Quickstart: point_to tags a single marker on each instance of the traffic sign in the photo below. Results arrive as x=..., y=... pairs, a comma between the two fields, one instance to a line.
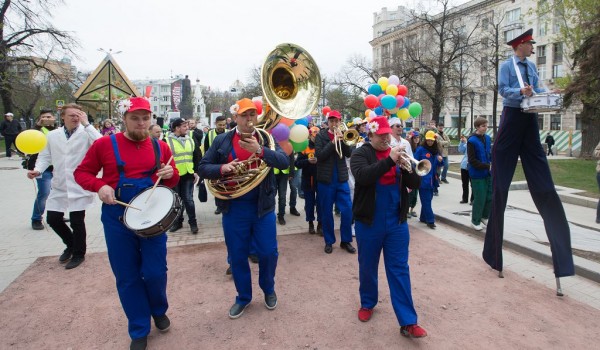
x=60, y=103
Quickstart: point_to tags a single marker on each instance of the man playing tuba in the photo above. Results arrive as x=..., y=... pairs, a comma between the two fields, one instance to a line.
x=251, y=216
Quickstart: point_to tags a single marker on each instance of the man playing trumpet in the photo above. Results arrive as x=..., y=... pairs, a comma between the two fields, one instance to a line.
x=250, y=217
x=380, y=210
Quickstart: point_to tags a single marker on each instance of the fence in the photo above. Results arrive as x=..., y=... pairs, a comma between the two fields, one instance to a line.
x=561, y=137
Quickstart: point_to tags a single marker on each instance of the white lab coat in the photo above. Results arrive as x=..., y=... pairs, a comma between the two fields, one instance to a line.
x=402, y=142
x=65, y=155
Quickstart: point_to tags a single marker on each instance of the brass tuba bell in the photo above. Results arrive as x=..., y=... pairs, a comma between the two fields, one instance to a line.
x=291, y=85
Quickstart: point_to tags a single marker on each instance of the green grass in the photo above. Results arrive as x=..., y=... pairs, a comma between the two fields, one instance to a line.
x=573, y=173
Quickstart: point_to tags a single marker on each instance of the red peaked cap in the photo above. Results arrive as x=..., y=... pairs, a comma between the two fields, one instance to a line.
x=139, y=103
x=523, y=38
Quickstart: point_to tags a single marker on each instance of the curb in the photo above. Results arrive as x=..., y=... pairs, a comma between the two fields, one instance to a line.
x=584, y=268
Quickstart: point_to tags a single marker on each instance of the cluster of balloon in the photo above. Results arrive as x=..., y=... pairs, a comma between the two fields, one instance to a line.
x=290, y=134
x=31, y=141
x=389, y=98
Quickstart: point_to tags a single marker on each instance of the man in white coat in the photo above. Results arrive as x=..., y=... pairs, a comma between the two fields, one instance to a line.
x=397, y=139
x=66, y=148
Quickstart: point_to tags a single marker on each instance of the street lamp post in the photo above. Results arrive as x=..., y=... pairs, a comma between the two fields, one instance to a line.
x=472, y=95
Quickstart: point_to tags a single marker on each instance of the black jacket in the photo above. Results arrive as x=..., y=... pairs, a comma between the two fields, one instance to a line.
x=367, y=170
x=309, y=171
x=12, y=128
x=327, y=158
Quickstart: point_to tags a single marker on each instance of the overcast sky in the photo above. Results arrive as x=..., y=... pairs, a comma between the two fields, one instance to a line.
x=219, y=41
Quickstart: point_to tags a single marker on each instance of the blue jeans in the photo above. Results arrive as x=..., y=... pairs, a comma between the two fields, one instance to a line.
x=185, y=190
x=445, y=168
x=39, y=206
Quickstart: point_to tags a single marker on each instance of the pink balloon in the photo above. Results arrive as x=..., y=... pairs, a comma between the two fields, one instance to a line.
x=399, y=100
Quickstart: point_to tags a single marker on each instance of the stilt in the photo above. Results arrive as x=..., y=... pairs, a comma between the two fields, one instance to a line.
x=500, y=274
x=558, y=288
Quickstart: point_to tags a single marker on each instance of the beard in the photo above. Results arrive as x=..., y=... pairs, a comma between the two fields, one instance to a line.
x=138, y=135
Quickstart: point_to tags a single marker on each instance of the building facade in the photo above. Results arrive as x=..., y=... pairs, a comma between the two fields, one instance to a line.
x=480, y=17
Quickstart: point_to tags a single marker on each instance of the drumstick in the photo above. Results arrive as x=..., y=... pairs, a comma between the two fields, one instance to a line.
x=127, y=205
x=157, y=181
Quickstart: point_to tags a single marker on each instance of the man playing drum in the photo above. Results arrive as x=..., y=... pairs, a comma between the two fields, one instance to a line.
x=518, y=136
x=249, y=217
x=131, y=162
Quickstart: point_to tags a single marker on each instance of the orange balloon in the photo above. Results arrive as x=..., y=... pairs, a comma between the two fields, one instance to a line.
x=286, y=121
x=287, y=147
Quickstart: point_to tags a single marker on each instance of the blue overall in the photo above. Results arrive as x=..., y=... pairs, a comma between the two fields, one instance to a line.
x=246, y=231
x=428, y=185
x=338, y=193
x=518, y=136
x=139, y=264
x=389, y=234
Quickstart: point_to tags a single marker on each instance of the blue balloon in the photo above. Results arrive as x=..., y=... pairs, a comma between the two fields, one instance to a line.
x=388, y=102
x=378, y=111
x=302, y=121
x=375, y=89
x=406, y=103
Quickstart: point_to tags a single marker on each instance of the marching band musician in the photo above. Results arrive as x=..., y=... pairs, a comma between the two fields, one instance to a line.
x=250, y=217
x=131, y=162
x=518, y=136
x=308, y=163
x=380, y=209
x=332, y=183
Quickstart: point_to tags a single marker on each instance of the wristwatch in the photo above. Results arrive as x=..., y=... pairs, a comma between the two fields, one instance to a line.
x=259, y=150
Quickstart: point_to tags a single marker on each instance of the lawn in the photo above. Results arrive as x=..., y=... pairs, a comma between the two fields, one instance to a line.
x=574, y=173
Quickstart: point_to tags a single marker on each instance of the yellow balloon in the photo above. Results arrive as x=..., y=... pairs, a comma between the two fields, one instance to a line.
x=383, y=82
x=403, y=114
x=391, y=90
x=31, y=141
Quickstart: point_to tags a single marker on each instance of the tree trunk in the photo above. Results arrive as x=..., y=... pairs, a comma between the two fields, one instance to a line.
x=590, y=130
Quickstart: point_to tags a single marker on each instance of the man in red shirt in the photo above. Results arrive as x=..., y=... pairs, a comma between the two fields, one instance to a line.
x=131, y=162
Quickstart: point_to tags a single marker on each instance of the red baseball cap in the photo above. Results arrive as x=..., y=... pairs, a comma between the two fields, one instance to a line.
x=379, y=125
x=334, y=114
x=139, y=103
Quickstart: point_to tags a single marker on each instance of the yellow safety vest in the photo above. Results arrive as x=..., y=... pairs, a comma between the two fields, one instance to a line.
x=45, y=130
x=183, y=155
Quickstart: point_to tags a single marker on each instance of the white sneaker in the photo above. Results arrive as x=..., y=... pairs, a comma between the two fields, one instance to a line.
x=477, y=227
x=353, y=233
x=484, y=222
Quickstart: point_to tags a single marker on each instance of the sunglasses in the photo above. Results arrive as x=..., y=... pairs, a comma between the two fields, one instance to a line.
x=396, y=126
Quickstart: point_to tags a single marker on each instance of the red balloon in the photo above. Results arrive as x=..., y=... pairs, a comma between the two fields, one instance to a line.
x=326, y=110
x=371, y=101
x=402, y=90
x=258, y=105
x=286, y=146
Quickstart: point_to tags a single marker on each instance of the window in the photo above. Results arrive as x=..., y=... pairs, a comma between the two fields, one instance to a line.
x=485, y=81
x=511, y=34
x=385, y=52
x=557, y=52
x=542, y=28
x=577, y=121
x=155, y=108
x=542, y=73
x=541, y=121
x=164, y=88
x=166, y=98
x=555, y=120
x=485, y=22
x=484, y=42
x=513, y=16
x=540, y=52
x=557, y=71
x=397, y=47
x=482, y=100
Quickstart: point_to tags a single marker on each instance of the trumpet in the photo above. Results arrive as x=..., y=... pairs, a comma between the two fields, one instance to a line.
x=422, y=167
x=350, y=137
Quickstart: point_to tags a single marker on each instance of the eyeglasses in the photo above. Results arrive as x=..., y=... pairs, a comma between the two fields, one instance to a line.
x=396, y=126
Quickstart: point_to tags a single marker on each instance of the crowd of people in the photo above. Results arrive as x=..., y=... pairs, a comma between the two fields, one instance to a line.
x=373, y=181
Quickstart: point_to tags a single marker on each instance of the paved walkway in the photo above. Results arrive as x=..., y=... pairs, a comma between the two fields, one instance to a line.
x=20, y=245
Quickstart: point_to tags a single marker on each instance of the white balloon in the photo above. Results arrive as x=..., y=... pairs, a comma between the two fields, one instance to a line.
x=298, y=133
x=372, y=114
x=394, y=80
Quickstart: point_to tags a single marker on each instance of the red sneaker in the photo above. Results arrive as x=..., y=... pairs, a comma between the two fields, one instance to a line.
x=365, y=314
x=413, y=331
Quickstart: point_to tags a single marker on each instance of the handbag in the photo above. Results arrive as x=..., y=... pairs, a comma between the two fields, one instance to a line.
x=202, y=194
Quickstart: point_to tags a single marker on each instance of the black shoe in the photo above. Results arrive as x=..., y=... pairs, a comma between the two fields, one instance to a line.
x=65, y=256
x=328, y=248
x=294, y=212
x=348, y=246
x=218, y=211
x=162, y=323
x=66, y=220
x=236, y=311
x=281, y=220
x=253, y=258
x=301, y=195
x=194, y=228
x=139, y=344
x=319, y=228
x=445, y=181
x=311, y=228
x=176, y=226
x=228, y=272
x=431, y=226
x=75, y=261
x=271, y=301
x=463, y=202
x=37, y=225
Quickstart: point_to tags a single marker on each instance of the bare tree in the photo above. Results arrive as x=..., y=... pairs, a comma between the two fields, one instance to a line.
x=26, y=34
x=356, y=75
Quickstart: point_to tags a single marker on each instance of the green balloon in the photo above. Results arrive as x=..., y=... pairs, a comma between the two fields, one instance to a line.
x=299, y=146
x=415, y=109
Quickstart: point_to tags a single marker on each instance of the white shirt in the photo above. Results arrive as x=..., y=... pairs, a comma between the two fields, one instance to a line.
x=402, y=142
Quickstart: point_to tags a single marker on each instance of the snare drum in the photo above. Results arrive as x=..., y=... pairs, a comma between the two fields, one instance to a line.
x=542, y=103
x=154, y=216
